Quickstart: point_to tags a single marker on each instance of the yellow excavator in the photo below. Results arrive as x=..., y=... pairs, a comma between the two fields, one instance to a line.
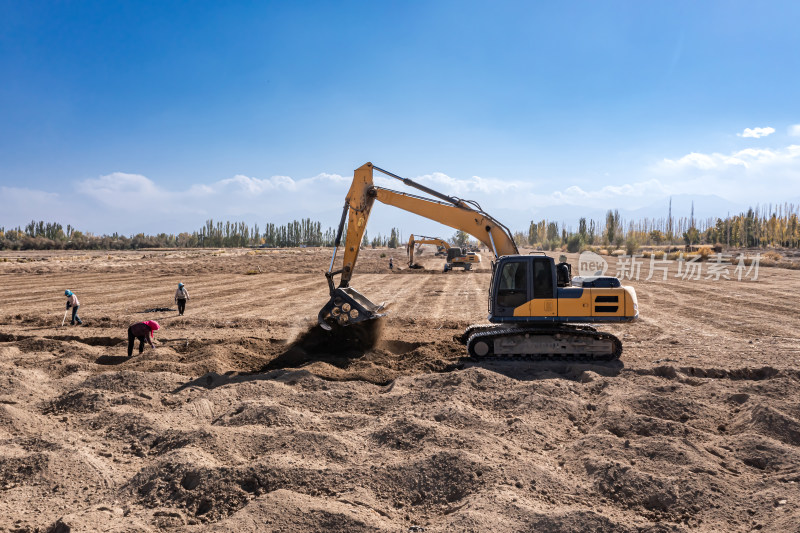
x=455, y=256
x=532, y=314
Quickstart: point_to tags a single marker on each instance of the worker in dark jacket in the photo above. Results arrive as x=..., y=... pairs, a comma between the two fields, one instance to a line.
x=142, y=330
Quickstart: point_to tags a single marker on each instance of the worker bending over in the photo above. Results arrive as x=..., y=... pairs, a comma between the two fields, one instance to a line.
x=142, y=330
x=72, y=301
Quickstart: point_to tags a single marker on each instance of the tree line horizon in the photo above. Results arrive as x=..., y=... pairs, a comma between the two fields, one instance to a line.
x=757, y=227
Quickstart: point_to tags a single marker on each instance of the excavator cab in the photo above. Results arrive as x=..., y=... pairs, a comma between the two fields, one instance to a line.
x=528, y=289
x=517, y=281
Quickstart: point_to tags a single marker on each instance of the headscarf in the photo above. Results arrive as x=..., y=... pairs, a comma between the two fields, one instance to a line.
x=152, y=324
x=180, y=285
x=67, y=292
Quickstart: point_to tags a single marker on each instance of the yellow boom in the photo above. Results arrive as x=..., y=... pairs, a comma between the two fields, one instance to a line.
x=346, y=304
x=453, y=212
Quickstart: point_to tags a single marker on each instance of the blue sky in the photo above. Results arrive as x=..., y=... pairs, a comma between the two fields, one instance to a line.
x=137, y=116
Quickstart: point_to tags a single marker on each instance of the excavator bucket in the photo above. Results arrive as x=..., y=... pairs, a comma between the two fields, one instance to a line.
x=347, y=306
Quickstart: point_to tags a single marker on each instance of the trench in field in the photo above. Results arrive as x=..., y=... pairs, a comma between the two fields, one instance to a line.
x=91, y=341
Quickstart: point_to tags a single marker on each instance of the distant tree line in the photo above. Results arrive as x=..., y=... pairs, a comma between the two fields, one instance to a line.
x=306, y=232
x=759, y=227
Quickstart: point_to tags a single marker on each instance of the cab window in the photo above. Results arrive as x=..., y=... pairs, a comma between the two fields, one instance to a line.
x=513, y=285
x=542, y=279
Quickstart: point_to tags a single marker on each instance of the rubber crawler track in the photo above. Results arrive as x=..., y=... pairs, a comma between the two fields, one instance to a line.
x=478, y=332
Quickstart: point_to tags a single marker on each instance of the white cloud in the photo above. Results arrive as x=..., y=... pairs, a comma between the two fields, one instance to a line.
x=118, y=183
x=749, y=176
x=455, y=186
x=756, y=133
x=126, y=192
x=652, y=187
x=240, y=184
x=794, y=130
x=701, y=161
x=13, y=195
x=137, y=199
x=745, y=158
x=21, y=205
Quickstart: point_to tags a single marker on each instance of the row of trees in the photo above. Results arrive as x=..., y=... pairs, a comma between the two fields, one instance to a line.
x=306, y=232
x=778, y=226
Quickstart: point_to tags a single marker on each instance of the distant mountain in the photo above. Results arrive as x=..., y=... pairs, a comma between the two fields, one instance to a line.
x=705, y=206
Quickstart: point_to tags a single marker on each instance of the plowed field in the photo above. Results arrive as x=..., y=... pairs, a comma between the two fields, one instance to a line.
x=246, y=418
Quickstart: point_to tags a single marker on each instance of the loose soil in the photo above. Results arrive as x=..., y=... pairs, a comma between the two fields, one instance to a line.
x=248, y=417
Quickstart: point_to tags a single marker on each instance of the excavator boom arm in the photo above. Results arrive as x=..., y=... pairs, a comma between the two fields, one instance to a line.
x=453, y=212
x=348, y=306
x=431, y=240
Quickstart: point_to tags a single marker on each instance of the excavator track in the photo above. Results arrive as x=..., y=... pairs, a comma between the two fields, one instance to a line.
x=541, y=343
x=474, y=328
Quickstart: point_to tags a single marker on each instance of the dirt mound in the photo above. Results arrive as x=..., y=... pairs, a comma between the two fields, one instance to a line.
x=285, y=510
x=767, y=420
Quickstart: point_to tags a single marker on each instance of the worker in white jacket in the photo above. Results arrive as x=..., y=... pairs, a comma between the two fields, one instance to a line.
x=72, y=301
x=181, y=295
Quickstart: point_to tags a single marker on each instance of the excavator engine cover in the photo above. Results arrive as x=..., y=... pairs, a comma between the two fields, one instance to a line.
x=347, y=306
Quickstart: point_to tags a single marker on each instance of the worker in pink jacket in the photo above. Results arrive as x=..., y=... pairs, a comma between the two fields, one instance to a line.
x=142, y=330
x=72, y=302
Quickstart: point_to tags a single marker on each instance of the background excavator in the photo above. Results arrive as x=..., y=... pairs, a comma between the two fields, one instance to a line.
x=531, y=314
x=455, y=257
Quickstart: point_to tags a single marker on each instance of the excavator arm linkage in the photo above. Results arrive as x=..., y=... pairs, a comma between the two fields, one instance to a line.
x=346, y=305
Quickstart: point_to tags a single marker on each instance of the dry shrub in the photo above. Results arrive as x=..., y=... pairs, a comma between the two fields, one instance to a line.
x=770, y=258
x=705, y=252
x=602, y=252
x=647, y=255
x=659, y=254
x=674, y=256
x=734, y=259
x=617, y=253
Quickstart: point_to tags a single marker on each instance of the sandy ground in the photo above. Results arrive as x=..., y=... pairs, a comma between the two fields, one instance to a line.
x=245, y=418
